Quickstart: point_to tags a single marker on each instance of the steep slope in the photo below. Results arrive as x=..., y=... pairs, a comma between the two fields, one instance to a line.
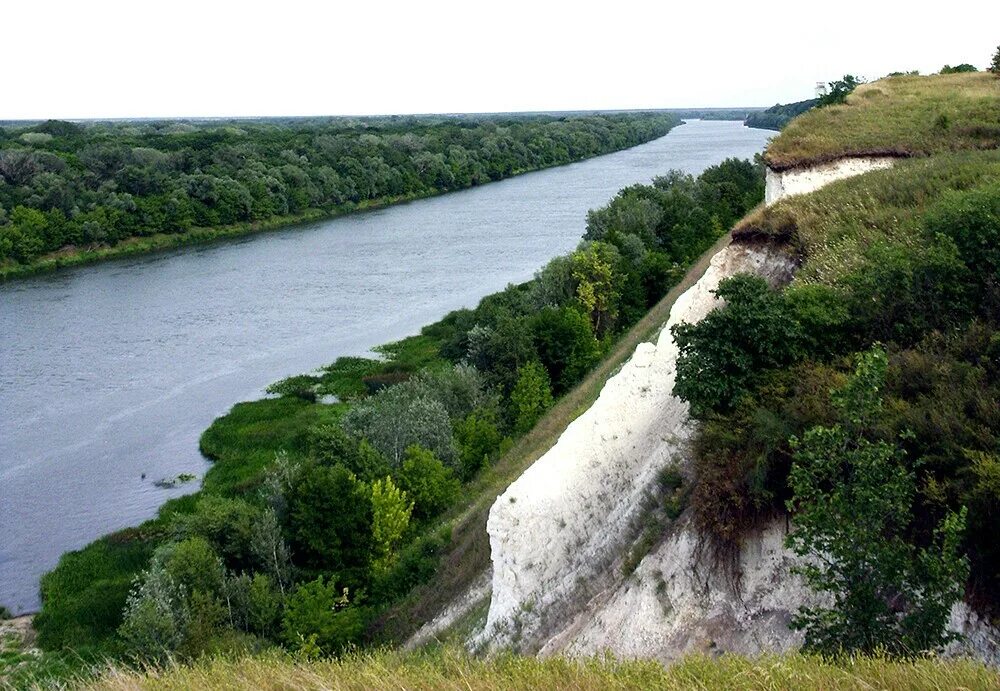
x=561, y=534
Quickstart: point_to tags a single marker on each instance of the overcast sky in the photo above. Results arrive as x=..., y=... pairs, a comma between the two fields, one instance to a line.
x=104, y=58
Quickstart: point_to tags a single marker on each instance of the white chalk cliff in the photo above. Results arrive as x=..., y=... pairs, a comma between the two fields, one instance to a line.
x=559, y=534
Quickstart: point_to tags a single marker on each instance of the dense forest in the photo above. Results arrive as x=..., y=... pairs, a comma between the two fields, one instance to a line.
x=67, y=188
x=324, y=503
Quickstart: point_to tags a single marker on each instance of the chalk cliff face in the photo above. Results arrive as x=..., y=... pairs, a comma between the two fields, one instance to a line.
x=557, y=531
x=559, y=534
x=804, y=180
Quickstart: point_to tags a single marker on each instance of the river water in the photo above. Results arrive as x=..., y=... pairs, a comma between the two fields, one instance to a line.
x=110, y=372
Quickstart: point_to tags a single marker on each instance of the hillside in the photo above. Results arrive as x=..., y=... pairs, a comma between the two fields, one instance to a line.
x=897, y=116
x=693, y=513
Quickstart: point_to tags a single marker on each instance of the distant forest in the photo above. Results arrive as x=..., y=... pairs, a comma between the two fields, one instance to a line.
x=778, y=115
x=68, y=187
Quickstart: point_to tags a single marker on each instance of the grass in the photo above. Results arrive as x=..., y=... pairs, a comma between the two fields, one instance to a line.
x=452, y=669
x=896, y=116
x=832, y=227
x=469, y=552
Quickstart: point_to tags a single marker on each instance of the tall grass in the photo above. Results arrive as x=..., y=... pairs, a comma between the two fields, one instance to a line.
x=896, y=116
x=833, y=226
x=451, y=669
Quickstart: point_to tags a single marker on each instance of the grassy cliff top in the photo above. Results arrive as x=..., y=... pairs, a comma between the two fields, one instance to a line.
x=833, y=227
x=896, y=116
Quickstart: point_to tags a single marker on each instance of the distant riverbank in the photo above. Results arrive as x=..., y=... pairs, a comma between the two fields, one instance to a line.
x=69, y=257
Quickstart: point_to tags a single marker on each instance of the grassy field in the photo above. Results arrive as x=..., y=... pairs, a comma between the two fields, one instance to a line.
x=450, y=669
x=896, y=116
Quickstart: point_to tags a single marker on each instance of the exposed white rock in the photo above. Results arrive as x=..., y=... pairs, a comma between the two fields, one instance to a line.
x=556, y=531
x=678, y=601
x=779, y=185
x=476, y=595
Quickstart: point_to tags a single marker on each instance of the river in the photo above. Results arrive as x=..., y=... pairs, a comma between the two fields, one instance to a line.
x=109, y=373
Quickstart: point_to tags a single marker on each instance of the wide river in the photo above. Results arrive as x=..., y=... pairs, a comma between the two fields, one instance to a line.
x=109, y=373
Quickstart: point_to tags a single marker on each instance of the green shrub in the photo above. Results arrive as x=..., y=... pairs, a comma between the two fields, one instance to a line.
x=328, y=521
x=722, y=355
x=320, y=613
x=852, y=498
x=531, y=396
x=428, y=482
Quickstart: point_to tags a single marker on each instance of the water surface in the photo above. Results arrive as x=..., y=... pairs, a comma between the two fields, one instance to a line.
x=110, y=372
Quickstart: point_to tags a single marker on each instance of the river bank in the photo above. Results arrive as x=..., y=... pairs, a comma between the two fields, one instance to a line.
x=114, y=370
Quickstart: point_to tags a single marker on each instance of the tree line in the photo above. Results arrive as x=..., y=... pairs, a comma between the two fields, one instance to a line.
x=68, y=186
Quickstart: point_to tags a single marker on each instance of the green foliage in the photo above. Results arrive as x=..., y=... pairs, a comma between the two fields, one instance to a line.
x=594, y=271
x=778, y=115
x=192, y=565
x=318, y=612
x=995, y=63
x=478, y=440
x=156, y=616
x=83, y=597
x=565, y=344
x=391, y=511
x=958, y=69
x=93, y=187
x=428, y=482
x=531, y=397
x=401, y=416
x=721, y=355
x=971, y=219
x=323, y=540
x=228, y=526
x=851, y=502
x=839, y=90
x=330, y=445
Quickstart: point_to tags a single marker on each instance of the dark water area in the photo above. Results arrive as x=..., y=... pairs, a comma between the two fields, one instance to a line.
x=111, y=372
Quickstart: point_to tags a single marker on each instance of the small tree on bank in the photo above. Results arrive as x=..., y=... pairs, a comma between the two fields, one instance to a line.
x=995, y=65
x=852, y=500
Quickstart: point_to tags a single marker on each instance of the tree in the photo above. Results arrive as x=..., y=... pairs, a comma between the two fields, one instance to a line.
x=531, y=397
x=328, y=523
x=426, y=480
x=399, y=416
x=565, y=344
x=156, y=615
x=851, y=502
x=478, y=441
x=721, y=355
x=839, y=90
x=594, y=271
x=964, y=67
x=320, y=614
x=391, y=511
x=995, y=64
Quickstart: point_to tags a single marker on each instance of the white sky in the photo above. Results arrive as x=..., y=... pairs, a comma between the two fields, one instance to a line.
x=105, y=58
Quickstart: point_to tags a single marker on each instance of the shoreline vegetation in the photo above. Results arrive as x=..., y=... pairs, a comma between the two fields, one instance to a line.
x=161, y=242
x=423, y=430
x=73, y=194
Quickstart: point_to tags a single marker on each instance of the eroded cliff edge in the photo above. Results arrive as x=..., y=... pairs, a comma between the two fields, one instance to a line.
x=560, y=533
